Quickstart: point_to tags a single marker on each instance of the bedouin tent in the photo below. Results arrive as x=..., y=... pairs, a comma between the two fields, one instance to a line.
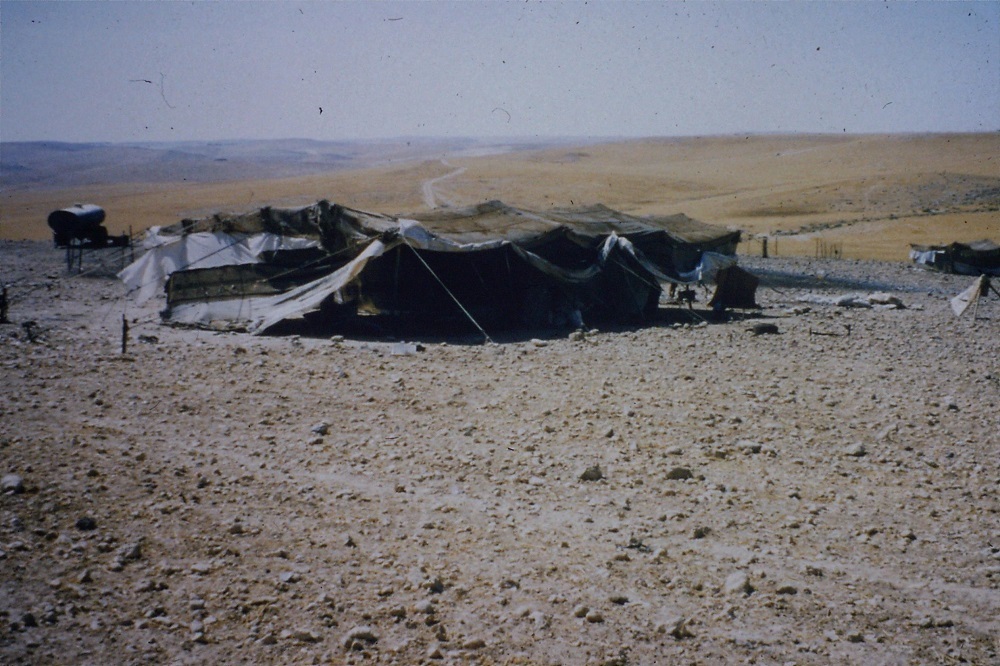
x=491, y=264
x=980, y=257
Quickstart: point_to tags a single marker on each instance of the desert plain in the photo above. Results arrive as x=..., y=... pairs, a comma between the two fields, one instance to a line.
x=691, y=491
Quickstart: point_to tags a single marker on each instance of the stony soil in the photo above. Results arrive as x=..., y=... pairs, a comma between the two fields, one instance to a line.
x=676, y=493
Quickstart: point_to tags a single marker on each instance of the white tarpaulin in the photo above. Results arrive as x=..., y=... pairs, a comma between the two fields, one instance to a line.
x=146, y=276
x=961, y=303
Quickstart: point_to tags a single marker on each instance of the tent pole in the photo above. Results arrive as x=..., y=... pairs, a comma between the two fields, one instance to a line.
x=395, y=293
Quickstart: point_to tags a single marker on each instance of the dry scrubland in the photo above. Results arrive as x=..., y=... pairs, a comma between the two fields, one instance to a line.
x=773, y=499
x=871, y=195
x=679, y=493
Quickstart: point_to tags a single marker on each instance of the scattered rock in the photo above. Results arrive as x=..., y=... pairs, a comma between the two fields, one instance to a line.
x=86, y=524
x=129, y=553
x=764, y=329
x=856, y=450
x=675, y=627
x=12, y=484
x=679, y=474
x=592, y=473
x=301, y=635
x=359, y=638
x=738, y=583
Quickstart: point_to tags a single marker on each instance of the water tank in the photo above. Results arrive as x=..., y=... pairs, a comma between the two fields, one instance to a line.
x=78, y=222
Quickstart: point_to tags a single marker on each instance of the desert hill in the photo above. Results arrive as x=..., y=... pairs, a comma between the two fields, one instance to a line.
x=868, y=196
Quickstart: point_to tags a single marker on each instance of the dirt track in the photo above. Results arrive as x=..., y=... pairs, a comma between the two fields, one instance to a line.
x=807, y=497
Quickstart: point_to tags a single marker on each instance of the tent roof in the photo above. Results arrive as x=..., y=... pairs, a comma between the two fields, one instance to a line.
x=495, y=220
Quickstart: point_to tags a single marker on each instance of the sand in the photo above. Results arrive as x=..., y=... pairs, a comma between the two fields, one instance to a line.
x=675, y=493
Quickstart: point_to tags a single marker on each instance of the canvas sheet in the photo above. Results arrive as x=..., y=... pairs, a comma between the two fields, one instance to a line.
x=146, y=277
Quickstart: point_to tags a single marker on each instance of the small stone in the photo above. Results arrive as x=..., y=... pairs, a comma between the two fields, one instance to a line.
x=855, y=637
x=787, y=588
x=321, y=428
x=144, y=586
x=594, y=617
x=592, y=473
x=676, y=627
x=679, y=474
x=12, y=483
x=86, y=524
x=304, y=636
x=129, y=552
x=580, y=611
x=425, y=606
x=856, y=450
x=473, y=644
x=738, y=583
x=359, y=637
x=700, y=532
x=290, y=577
x=764, y=329
x=747, y=446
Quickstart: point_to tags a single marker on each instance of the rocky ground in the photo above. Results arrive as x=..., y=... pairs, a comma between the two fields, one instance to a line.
x=680, y=493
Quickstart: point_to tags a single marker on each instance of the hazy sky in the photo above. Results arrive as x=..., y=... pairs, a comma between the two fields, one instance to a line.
x=160, y=71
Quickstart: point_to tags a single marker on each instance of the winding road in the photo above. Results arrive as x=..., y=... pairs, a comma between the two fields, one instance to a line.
x=430, y=198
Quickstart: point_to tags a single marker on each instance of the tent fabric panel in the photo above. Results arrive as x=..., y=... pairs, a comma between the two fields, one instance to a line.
x=147, y=276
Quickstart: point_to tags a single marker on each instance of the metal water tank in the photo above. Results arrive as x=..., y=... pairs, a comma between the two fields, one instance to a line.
x=78, y=222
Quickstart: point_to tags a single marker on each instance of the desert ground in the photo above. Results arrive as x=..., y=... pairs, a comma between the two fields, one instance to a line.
x=696, y=490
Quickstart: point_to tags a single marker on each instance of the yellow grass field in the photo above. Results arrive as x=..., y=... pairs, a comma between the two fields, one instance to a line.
x=867, y=196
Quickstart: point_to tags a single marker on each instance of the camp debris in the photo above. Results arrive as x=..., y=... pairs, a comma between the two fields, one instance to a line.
x=980, y=257
x=980, y=288
x=491, y=264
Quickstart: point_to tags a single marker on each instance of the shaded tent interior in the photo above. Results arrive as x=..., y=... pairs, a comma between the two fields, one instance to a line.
x=490, y=265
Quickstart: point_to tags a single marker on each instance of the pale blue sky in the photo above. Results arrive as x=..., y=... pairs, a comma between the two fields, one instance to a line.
x=77, y=71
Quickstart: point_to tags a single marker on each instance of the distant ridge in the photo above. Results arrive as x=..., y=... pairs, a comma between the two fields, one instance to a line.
x=52, y=164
